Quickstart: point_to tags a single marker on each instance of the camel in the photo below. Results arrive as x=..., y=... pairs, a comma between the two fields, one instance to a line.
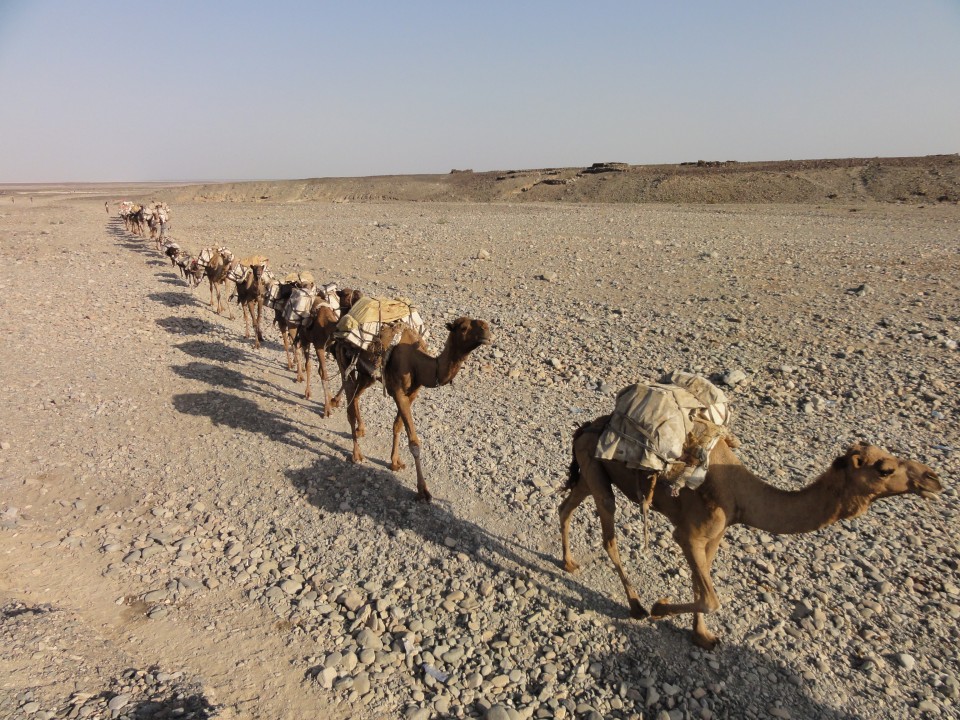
x=190, y=269
x=318, y=333
x=289, y=330
x=730, y=495
x=249, y=283
x=216, y=271
x=407, y=368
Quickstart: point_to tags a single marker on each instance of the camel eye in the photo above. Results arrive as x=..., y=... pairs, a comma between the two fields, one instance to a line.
x=884, y=470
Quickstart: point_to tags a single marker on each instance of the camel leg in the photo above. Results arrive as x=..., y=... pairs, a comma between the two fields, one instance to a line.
x=321, y=362
x=705, y=600
x=337, y=399
x=702, y=636
x=211, y=291
x=405, y=413
x=256, y=325
x=286, y=346
x=606, y=509
x=306, y=362
x=246, y=327
x=395, y=462
x=354, y=389
x=577, y=495
x=228, y=306
x=294, y=340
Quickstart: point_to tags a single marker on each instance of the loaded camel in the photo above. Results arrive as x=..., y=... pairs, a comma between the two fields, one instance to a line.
x=407, y=369
x=248, y=274
x=216, y=271
x=318, y=333
x=730, y=495
x=289, y=328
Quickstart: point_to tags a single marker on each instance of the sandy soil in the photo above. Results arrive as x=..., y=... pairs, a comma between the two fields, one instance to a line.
x=181, y=534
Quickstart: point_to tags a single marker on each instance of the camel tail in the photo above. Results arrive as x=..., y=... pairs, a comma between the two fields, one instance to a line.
x=573, y=474
x=596, y=425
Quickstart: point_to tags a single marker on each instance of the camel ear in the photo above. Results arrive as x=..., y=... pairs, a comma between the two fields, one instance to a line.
x=840, y=463
x=450, y=326
x=856, y=459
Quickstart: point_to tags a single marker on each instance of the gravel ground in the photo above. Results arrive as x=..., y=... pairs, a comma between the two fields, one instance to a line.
x=182, y=535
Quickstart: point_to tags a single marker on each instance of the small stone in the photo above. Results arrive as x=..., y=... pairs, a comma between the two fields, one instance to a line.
x=907, y=661
x=733, y=377
x=498, y=712
x=290, y=587
x=119, y=701
x=326, y=677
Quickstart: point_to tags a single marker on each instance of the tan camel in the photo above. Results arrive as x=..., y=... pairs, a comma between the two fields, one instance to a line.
x=216, y=271
x=730, y=495
x=318, y=334
x=407, y=369
x=249, y=284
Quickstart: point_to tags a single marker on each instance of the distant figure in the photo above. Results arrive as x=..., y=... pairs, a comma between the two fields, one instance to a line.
x=106, y=206
x=31, y=198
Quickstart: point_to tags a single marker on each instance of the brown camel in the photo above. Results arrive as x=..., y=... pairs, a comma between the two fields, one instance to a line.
x=216, y=271
x=318, y=333
x=730, y=495
x=407, y=369
x=249, y=283
x=288, y=331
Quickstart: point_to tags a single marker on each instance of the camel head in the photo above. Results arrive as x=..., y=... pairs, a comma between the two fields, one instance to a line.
x=347, y=298
x=467, y=334
x=875, y=473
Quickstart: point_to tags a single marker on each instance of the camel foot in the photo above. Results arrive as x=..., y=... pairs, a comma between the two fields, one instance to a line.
x=357, y=458
x=637, y=611
x=335, y=403
x=361, y=431
x=397, y=465
x=706, y=640
x=570, y=566
x=306, y=394
x=659, y=609
x=424, y=496
x=327, y=411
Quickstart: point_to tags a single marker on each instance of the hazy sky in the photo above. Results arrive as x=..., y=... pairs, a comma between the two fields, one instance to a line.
x=202, y=90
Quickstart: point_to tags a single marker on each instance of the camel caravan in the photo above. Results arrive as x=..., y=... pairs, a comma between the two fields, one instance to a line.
x=666, y=445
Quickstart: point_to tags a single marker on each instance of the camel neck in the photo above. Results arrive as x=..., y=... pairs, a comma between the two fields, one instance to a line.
x=765, y=507
x=448, y=365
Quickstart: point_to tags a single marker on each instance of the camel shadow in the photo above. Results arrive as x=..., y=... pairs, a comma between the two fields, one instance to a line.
x=348, y=495
x=382, y=497
x=175, y=705
x=753, y=684
x=241, y=414
x=220, y=376
x=207, y=350
x=174, y=299
x=186, y=326
x=161, y=263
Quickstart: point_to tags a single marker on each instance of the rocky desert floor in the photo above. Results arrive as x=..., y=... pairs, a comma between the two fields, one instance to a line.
x=183, y=535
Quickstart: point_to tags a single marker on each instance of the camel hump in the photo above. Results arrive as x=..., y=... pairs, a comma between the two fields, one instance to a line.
x=665, y=427
x=367, y=319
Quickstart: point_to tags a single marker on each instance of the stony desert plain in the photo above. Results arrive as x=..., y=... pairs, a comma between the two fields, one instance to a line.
x=183, y=535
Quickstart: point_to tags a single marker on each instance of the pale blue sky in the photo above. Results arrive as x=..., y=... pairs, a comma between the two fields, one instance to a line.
x=95, y=90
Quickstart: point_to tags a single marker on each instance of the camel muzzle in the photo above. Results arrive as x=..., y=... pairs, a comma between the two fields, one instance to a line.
x=927, y=485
